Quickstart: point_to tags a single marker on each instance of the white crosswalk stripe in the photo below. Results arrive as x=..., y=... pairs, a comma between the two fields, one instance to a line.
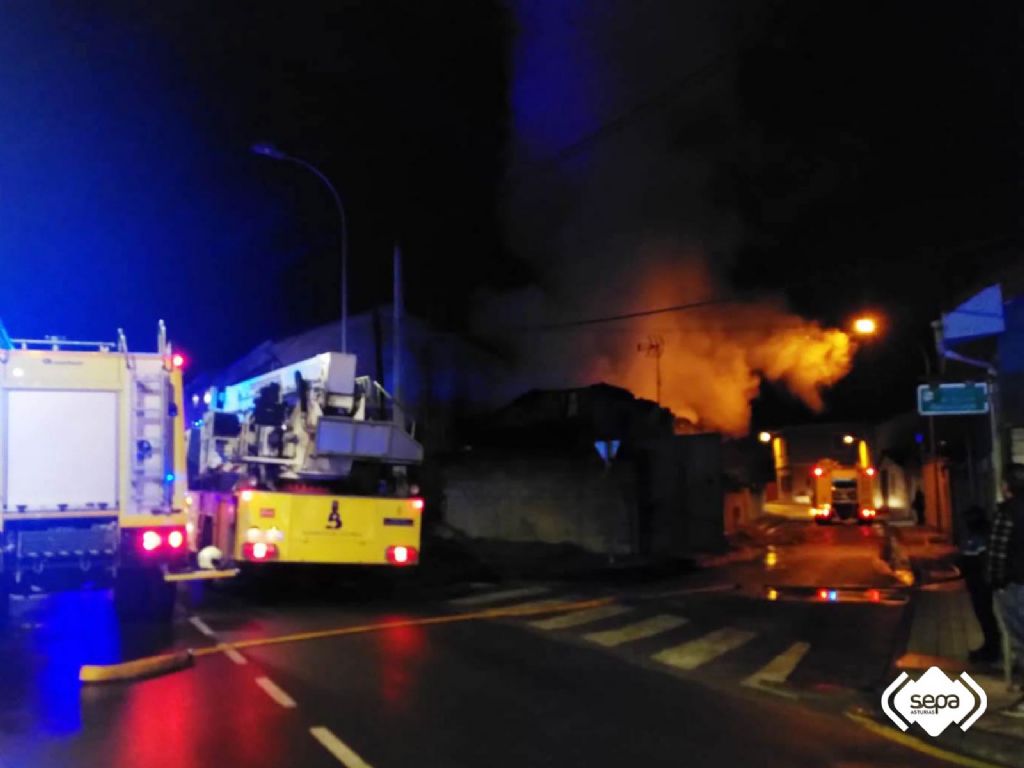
x=579, y=618
x=536, y=606
x=471, y=601
x=702, y=650
x=655, y=625
x=779, y=668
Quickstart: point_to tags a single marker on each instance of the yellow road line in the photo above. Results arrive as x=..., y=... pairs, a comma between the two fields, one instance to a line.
x=361, y=629
x=887, y=732
x=167, y=662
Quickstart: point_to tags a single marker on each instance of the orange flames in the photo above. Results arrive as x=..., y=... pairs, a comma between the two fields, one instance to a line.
x=713, y=358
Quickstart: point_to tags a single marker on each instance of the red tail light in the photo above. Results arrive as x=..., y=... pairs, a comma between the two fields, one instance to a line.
x=151, y=540
x=417, y=504
x=401, y=555
x=178, y=360
x=867, y=513
x=818, y=471
x=874, y=595
x=259, y=551
x=870, y=471
x=175, y=539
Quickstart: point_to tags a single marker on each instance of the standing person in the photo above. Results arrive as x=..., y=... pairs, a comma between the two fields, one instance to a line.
x=972, y=565
x=1006, y=565
x=918, y=506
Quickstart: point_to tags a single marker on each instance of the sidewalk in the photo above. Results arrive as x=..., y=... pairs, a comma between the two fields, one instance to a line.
x=942, y=632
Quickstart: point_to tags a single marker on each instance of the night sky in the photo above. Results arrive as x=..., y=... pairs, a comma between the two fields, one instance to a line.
x=851, y=157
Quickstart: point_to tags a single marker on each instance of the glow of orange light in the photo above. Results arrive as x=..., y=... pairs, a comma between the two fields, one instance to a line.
x=865, y=326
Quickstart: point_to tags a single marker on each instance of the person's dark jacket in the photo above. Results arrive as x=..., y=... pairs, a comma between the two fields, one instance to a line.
x=1015, y=554
x=1006, y=544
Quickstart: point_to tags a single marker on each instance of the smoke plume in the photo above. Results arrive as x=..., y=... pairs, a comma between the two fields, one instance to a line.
x=624, y=176
x=713, y=358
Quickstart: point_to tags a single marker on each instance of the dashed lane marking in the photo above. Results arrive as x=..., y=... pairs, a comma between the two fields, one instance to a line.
x=274, y=692
x=342, y=751
x=702, y=650
x=636, y=631
x=202, y=626
x=228, y=649
x=780, y=668
x=495, y=597
x=578, y=618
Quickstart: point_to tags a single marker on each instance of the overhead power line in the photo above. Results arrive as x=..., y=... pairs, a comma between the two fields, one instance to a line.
x=626, y=316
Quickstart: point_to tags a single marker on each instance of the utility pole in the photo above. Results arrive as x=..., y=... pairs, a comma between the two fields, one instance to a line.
x=654, y=347
x=396, y=332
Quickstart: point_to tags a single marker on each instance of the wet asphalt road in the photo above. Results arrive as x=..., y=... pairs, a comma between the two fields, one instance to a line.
x=531, y=690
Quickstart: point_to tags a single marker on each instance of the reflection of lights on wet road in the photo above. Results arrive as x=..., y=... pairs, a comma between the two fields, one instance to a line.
x=71, y=629
x=401, y=657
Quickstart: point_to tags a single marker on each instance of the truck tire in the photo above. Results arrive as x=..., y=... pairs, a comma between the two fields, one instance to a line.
x=141, y=594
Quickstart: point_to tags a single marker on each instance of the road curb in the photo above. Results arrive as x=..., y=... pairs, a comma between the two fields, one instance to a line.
x=137, y=669
x=976, y=749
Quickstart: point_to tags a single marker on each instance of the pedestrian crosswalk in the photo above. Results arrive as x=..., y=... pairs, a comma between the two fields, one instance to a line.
x=669, y=640
x=488, y=598
x=579, y=618
x=694, y=653
x=639, y=630
x=780, y=667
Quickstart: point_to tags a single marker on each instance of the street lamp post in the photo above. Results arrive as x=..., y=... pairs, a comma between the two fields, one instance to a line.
x=269, y=150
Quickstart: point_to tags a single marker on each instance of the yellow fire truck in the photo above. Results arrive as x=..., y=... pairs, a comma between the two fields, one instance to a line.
x=93, y=481
x=844, y=491
x=307, y=463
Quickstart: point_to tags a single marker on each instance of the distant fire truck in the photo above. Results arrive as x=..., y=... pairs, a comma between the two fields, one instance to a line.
x=826, y=469
x=307, y=463
x=844, y=491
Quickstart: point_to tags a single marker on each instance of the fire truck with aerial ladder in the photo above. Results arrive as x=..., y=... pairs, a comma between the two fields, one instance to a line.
x=304, y=464
x=307, y=463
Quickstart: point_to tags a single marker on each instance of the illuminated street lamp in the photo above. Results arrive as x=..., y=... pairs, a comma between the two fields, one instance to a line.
x=765, y=437
x=848, y=439
x=269, y=150
x=865, y=326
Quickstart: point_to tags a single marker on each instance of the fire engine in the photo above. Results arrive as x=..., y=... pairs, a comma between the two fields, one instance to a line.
x=93, y=485
x=307, y=463
x=844, y=491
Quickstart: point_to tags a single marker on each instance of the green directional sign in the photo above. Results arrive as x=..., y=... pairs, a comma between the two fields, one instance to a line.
x=961, y=399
